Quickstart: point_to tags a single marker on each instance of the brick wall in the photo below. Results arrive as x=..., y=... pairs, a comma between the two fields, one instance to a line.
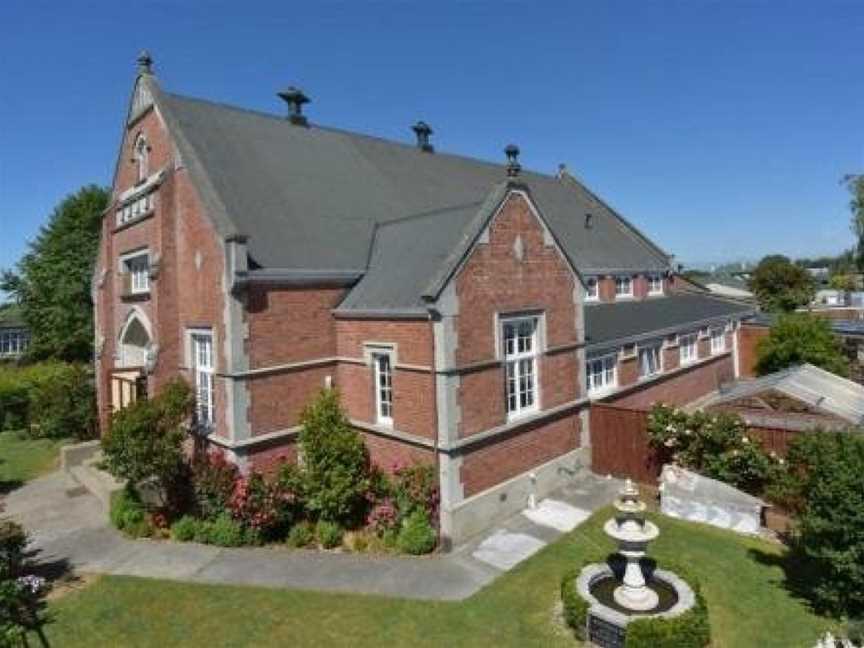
x=494, y=280
x=516, y=453
x=680, y=389
x=748, y=338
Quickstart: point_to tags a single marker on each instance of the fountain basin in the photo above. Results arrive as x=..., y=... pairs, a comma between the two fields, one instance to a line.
x=607, y=620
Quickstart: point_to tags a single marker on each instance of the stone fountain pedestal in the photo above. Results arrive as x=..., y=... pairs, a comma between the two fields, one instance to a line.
x=617, y=597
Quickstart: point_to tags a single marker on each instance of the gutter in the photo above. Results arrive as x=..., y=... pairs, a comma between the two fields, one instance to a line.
x=295, y=277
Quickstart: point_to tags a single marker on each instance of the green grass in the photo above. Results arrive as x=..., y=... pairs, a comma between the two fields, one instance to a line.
x=740, y=578
x=23, y=458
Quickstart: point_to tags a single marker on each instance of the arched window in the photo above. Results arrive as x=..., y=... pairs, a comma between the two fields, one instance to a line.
x=135, y=341
x=142, y=157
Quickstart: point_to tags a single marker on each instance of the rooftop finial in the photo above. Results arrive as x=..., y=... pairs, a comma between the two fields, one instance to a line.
x=295, y=99
x=423, y=131
x=145, y=63
x=513, y=166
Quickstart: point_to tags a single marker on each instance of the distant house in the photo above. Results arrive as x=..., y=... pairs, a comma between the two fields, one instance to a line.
x=14, y=335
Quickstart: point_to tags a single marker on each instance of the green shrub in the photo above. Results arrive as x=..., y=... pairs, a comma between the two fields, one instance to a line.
x=146, y=439
x=225, y=531
x=22, y=594
x=415, y=488
x=185, y=529
x=575, y=607
x=688, y=630
x=50, y=399
x=301, y=535
x=416, y=535
x=329, y=534
x=854, y=631
x=128, y=513
x=827, y=490
x=335, y=462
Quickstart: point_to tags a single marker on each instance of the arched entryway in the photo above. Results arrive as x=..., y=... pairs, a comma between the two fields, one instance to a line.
x=134, y=348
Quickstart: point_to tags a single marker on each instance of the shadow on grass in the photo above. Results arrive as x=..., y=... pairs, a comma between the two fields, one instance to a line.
x=58, y=573
x=800, y=575
x=9, y=485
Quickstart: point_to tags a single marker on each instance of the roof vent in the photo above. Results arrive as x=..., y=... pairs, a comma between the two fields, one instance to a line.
x=145, y=62
x=513, y=166
x=423, y=131
x=589, y=221
x=295, y=99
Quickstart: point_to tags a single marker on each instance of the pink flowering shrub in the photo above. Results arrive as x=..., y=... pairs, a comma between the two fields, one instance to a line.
x=383, y=517
x=415, y=488
x=265, y=505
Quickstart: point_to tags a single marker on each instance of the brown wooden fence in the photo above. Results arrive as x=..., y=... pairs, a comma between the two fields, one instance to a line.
x=619, y=443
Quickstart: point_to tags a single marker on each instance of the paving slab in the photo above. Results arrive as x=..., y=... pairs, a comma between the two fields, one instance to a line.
x=557, y=515
x=504, y=549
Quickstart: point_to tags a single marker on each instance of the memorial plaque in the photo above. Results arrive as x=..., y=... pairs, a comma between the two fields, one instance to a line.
x=605, y=634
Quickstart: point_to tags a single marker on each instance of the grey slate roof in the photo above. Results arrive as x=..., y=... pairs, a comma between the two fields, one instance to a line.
x=11, y=316
x=320, y=198
x=807, y=383
x=607, y=324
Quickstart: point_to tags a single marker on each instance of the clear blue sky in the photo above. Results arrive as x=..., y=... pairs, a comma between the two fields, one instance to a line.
x=721, y=128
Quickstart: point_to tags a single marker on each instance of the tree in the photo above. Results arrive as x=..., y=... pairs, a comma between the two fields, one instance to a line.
x=335, y=461
x=797, y=338
x=52, y=280
x=826, y=486
x=781, y=285
x=855, y=184
x=844, y=282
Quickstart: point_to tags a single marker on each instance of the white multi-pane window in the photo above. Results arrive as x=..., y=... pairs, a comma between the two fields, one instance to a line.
x=650, y=362
x=520, y=359
x=601, y=373
x=383, y=388
x=687, y=348
x=718, y=341
x=203, y=369
x=623, y=287
x=592, y=289
x=655, y=285
x=138, y=268
x=13, y=342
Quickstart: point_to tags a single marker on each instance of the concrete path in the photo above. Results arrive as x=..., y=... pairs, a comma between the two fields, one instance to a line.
x=69, y=524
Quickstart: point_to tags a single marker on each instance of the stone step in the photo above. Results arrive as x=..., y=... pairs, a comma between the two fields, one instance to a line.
x=98, y=482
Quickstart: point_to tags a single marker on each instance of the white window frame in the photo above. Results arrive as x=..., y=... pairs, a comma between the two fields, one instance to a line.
x=656, y=350
x=718, y=340
x=13, y=342
x=136, y=264
x=521, y=377
x=606, y=378
x=618, y=283
x=655, y=284
x=202, y=362
x=595, y=295
x=688, y=348
x=382, y=368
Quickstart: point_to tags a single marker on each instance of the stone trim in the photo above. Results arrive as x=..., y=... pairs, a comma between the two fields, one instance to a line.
x=315, y=362
x=392, y=433
x=287, y=433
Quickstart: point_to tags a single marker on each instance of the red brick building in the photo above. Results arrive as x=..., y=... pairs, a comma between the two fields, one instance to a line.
x=467, y=312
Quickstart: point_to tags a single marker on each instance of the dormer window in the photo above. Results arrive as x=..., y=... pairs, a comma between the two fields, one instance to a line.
x=142, y=157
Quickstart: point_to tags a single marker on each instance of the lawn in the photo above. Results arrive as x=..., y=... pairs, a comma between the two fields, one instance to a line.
x=23, y=458
x=748, y=604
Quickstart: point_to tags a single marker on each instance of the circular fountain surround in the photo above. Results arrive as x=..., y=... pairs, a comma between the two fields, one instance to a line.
x=618, y=595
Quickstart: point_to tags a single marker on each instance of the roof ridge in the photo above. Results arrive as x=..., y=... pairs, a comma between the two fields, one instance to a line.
x=345, y=131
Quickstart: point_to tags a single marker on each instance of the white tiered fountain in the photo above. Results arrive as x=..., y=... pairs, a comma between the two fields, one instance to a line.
x=633, y=533
x=617, y=591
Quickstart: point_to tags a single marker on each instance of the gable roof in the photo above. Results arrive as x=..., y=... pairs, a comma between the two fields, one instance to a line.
x=629, y=321
x=318, y=198
x=11, y=316
x=809, y=384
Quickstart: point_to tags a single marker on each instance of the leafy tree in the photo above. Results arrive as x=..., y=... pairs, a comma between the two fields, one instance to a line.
x=781, y=285
x=145, y=440
x=335, y=461
x=797, y=338
x=52, y=280
x=855, y=183
x=826, y=485
x=845, y=282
